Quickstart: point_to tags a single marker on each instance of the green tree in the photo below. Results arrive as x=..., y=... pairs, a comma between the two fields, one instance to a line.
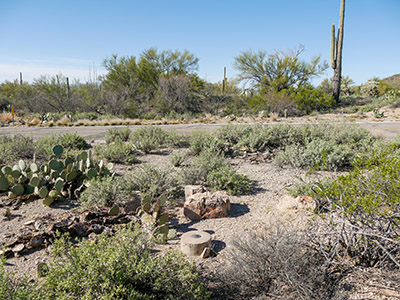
x=279, y=71
x=131, y=84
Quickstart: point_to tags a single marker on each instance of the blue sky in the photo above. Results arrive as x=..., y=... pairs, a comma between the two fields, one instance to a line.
x=50, y=36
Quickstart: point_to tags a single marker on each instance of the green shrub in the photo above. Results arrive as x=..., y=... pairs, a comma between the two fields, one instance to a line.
x=15, y=147
x=149, y=138
x=178, y=158
x=204, y=140
x=361, y=210
x=118, y=152
x=208, y=160
x=308, y=99
x=106, y=192
x=154, y=181
x=117, y=134
x=319, y=154
x=228, y=179
x=69, y=141
x=119, y=267
x=230, y=135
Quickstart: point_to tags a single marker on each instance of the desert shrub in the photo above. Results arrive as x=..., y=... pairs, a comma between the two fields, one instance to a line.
x=208, y=160
x=106, y=192
x=318, y=154
x=324, y=147
x=178, y=158
x=16, y=289
x=69, y=141
x=308, y=99
x=277, y=262
x=118, y=152
x=362, y=213
x=119, y=267
x=149, y=138
x=230, y=135
x=204, y=140
x=154, y=181
x=370, y=88
x=15, y=147
x=117, y=134
x=226, y=178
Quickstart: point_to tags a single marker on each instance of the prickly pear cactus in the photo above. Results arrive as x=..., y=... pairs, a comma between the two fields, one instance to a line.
x=154, y=219
x=56, y=179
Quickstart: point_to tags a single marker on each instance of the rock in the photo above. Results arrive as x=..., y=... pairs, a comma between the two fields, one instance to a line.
x=207, y=206
x=39, y=225
x=30, y=222
x=80, y=229
x=36, y=241
x=18, y=248
x=97, y=229
x=206, y=252
x=93, y=237
x=193, y=189
x=194, y=242
x=132, y=206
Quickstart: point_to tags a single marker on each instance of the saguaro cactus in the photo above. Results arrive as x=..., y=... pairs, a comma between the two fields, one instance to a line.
x=336, y=53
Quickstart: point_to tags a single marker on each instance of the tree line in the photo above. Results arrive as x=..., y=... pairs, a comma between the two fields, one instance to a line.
x=166, y=82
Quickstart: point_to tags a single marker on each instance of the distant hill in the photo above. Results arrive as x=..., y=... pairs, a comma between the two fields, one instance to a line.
x=392, y=78
x=393, y=81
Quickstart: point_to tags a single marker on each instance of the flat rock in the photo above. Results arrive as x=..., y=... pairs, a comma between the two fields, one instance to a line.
x=207, y=206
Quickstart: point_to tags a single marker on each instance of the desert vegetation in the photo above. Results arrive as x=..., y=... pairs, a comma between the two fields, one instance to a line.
x=163, y=86
x=354, y=223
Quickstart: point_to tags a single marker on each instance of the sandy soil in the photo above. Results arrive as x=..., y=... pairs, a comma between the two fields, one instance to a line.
x=269, y=203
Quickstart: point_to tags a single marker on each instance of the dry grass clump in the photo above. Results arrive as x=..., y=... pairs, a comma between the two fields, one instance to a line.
x=6, y=117
x=278, y=263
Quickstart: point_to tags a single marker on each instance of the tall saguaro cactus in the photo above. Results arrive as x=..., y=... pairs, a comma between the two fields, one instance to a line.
x=336, y=53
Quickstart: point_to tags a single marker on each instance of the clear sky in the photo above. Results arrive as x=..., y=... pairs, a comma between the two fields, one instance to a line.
x=40, y=37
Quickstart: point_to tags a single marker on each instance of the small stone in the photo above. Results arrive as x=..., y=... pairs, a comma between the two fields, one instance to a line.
x=132, y=206
x=36, y=241
x=18, y=248
x=93, y=237
x=80, y=229
x=206, y=252
x=30, y=222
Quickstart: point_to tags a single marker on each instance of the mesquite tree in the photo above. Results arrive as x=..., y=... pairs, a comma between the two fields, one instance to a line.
x=336, y=53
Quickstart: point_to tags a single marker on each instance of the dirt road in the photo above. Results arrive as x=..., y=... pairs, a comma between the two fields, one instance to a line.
x=388, y=130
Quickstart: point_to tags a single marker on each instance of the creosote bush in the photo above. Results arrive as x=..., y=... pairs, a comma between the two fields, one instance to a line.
x=106, y=192
x=69, y=141
x=211, y=168
x=15, y=147
x=154, y=181
x=117, y=152
x=226, y=178
x=151, y=138
x=117, y=134
x=361, y=211
x=119, y=267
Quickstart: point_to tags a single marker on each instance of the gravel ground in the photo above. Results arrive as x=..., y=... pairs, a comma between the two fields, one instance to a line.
x=268, y=204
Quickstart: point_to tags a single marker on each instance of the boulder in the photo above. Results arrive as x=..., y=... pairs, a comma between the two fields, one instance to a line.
x=207, y=206
x=193, y=189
